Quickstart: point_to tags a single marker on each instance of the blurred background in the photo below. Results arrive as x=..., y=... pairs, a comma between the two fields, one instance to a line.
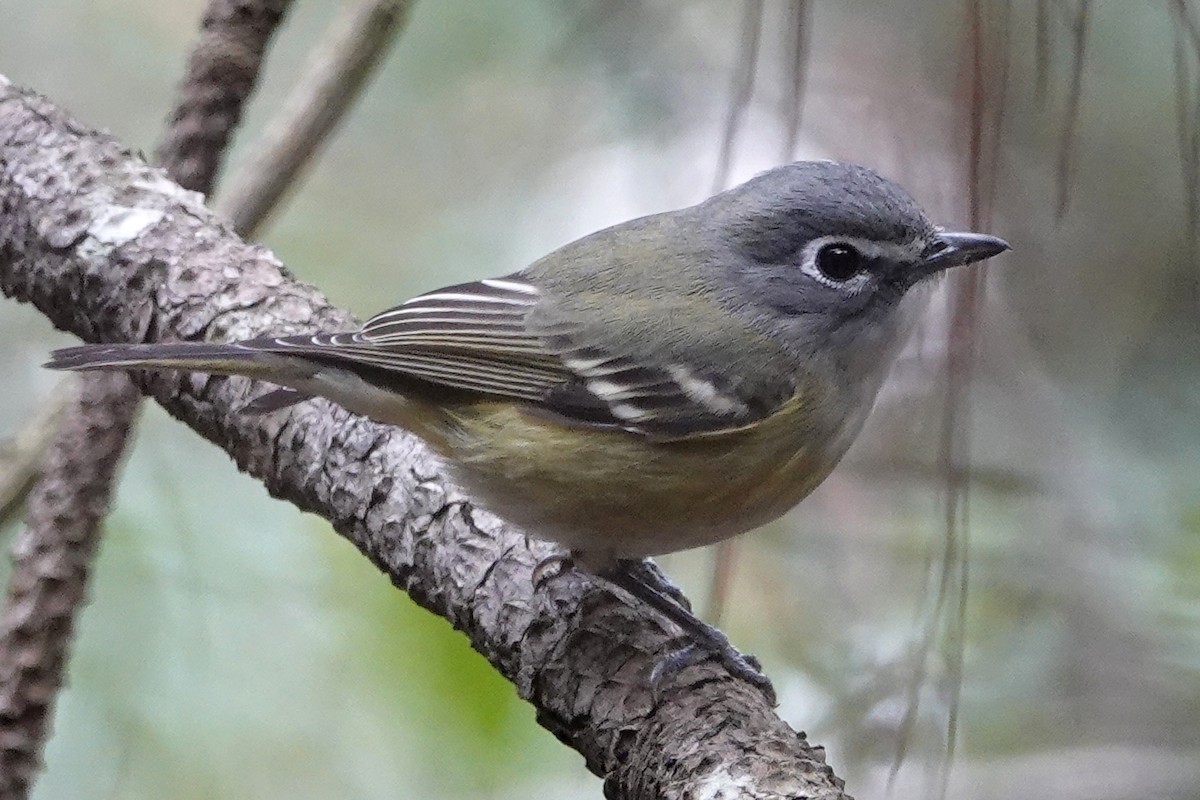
x=1004, y=575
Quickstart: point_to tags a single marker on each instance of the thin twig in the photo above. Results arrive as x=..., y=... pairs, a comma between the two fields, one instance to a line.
x=740, y=94
x=1066, y=153
x=335, y=77
x=999, y=79
x=961, y=348
x=1042, y=51
x=742, y=89
x=721, y=581
x=1187, y=31
x=22, y=456
x=221, y=73
x=954, y=459
x=798, y=33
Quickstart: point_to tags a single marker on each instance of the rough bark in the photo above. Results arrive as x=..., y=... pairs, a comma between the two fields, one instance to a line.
x=110, y=249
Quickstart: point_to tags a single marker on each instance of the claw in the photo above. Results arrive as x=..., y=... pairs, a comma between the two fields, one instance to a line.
x=644, y=582
x=674, y=662
x=650, y=574
x=748, y=669
x=551, y=568
x=745, y=668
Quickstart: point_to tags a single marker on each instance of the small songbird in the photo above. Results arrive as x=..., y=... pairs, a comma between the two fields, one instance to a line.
x=665, y=383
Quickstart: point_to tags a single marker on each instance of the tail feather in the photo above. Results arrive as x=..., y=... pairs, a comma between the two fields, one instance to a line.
x=217, y=358
x=302, y=366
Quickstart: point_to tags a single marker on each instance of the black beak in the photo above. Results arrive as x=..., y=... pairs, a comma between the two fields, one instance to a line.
x=957, y=249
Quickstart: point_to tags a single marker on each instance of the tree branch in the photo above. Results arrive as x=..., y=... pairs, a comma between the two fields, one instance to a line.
x=108, y=248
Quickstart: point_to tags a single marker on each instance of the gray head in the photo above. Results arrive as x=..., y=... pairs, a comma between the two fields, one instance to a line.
x=831, y=246
x=837, y=235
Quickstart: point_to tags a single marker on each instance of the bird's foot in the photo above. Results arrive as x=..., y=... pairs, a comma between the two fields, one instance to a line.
x=649, y=573
x=742, y=666
x=641, y=579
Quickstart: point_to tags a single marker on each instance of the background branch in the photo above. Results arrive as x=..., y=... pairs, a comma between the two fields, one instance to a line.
x=70, y=500
x=51, y=561
x=741, y=90
x=222, y=71
x=23, y=454
x=154, y=259
x=335, y=78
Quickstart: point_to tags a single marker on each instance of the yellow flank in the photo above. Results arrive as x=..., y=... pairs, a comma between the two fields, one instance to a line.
x=636, y=496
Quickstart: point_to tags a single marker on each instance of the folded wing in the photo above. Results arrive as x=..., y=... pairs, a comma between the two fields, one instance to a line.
x=483, y=337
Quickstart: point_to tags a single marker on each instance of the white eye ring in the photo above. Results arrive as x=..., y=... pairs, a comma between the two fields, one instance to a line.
x=852, y=285
x=868, y=249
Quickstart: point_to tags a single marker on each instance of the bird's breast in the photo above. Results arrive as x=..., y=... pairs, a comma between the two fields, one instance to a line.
x=619, y=495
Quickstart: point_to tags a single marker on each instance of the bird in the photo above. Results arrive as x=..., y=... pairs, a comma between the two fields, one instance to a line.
x=663, y=384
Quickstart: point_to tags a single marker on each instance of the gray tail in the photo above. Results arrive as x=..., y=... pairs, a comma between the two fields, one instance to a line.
x=224, y=359
x=253, y=359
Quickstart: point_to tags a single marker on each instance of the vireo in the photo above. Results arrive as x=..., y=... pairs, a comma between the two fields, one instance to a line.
x=665, y=383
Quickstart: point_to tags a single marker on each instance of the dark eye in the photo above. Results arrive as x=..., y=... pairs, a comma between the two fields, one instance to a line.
x=839, y=262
